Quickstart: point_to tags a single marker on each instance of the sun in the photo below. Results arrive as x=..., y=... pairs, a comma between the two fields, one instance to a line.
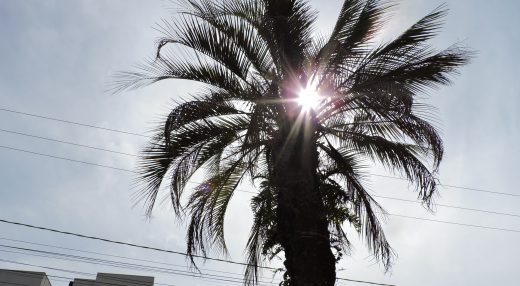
x=309, y=98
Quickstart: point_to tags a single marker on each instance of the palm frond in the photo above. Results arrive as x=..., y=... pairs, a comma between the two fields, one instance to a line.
x=262, y=236
x=400, y=157
x=228, y=19
x=357, y=24
x=364, y=206
x=207, y=208
x=399, y=69
x=289, y=24
x=206, y=40
x=381, y=120
x=181, y=154
x=170, y=66
x=337, y=205
x=192, y=111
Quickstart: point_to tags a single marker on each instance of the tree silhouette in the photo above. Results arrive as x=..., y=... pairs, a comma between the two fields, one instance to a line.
x=254, y=59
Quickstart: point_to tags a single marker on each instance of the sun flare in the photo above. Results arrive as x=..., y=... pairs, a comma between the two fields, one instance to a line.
x=309, y=98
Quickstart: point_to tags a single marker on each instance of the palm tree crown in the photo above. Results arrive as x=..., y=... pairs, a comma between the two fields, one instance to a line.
x=254, y=58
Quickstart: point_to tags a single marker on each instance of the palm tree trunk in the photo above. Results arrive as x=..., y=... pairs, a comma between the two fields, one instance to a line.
x=302, y=224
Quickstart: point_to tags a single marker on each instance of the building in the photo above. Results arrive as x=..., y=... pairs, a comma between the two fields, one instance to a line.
x=29, y=278
x=109, y=279
x=23, y=278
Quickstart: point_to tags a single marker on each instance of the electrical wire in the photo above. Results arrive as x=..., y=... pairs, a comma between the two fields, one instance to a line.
x=70, y=122
x=119, y=279
x=142, y=135
x=131, y=171
x=125, y=265
x=451, y=206
x=455, y=187
x=66, y=159
x=236, y=281
x=457, y=223
x=159, y=249
x=66, y=142
x=111, y=255
x=125, y=243
x=131, y=133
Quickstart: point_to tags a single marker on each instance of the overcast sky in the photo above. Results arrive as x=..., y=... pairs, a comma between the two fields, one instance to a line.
x=56, y=58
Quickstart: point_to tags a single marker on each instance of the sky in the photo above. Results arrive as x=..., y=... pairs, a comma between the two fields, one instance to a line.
x=57, y=58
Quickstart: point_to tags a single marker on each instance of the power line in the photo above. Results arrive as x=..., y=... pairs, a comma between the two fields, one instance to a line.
x=133, y=266
x=454, y=187
x=245, y=264
x=450, y=206
x=104, y=283
x=457, y=223
x=131, y=133
x=146, y=269
x=210, y=278
x=52, y=268
x=66, y=159
x=121, y=279
x=479, y=190
x=66, y=142
x=70, y=122
x=134, y=172
x=125, y=265
x=159, y=249
x=184, y=274
x=142, y=135
x=78, y=161
x=131, y=171
x=110, y=255
x=125, y=243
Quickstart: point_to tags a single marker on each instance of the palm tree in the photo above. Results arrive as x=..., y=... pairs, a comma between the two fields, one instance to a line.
x=257, y=60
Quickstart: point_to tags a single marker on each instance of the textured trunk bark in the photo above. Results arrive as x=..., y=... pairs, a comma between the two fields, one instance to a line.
x=302, y=223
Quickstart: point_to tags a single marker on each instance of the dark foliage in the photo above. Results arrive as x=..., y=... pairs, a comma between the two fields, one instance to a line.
x=370, y=112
